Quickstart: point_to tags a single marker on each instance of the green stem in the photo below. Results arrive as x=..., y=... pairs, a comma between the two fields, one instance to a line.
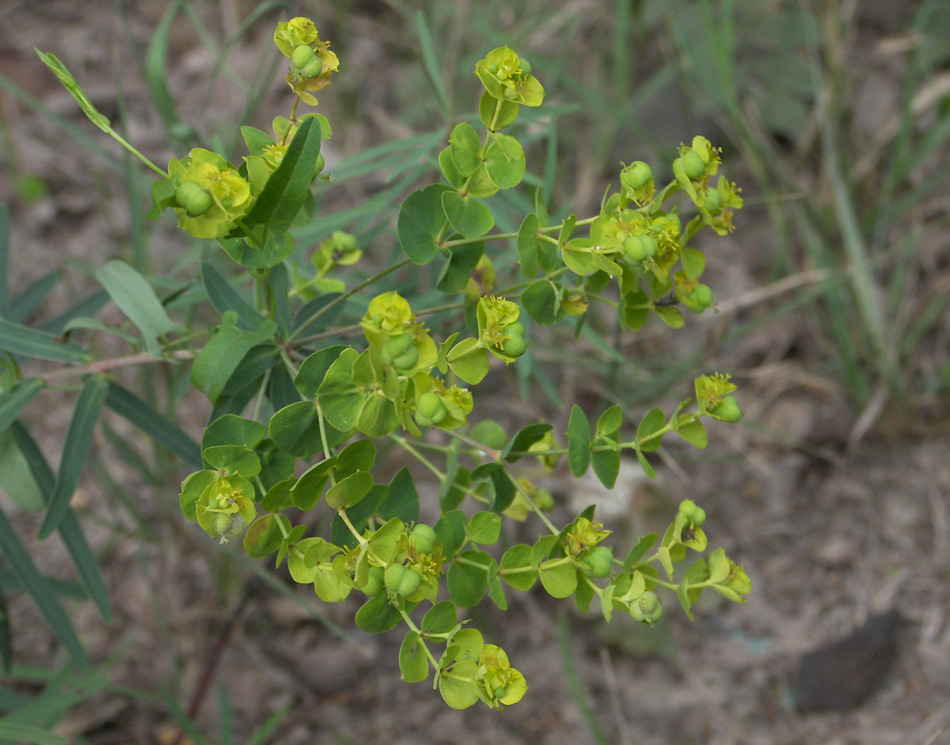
x=346, y=521
x=345, y=296
x=412, y=626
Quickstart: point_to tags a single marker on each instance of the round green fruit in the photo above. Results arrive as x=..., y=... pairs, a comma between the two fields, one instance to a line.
x=392, y=576
x=637, y=175
x=318, y=167
x=514, y=346
x=699, y=517
x=693, y=165
x=411, y=581
x=396, y=345
x=633, y=249
x=688, y=508
x=431, y=408
x=313, y=69
x=374, y=583
x=647, y=608
x=525, y=68
x=193, y=199
x=703, y=295
x=601, y=561
x=713, y=201
x=303, y=56
x=407, y=360
x=422, y=538
x=728, y=410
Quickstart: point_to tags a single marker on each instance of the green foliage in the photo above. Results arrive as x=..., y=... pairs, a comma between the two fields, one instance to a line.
x=327, y=402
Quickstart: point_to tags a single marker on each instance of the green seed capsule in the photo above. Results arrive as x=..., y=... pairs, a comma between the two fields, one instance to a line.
x=392, y=577
x=431, y=408
x=693, y=165
x=514, y=346
x=703, y=295
x=601, y=560
x=319, y=165
x=636, y=175
x=728, y=410
x=407, y=360
x=422, y=538
x=193, y=199
x=713, y=201
x=647, y=608
x=396, y=345
x=699, y=517
x=312, y=69
x=525, y=68
x=515, y=329
x=411, y=581
x=374, y=583
x=634, y=250
x=302, y=56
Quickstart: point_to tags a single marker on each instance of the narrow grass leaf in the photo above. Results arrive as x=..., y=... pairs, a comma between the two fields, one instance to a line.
x=6, y=638
x=16, y=476
x=26, y=733
x=136, y=298
x=224, y=297
x=4, y=256
x=75, y=450
x=431, y=63
x=130, y=407
x=19, y=560
x=12, y=403
x=84, y=308
x=28, y=342
x=155, y=71
x=25, y=302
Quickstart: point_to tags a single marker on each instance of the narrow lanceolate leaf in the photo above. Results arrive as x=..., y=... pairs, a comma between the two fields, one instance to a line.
x=12, y=403
x=28, y=342
x=72, y=536
x=224, y=297
x=4, y=256
x=75, y=450
x=26, y=733
x=17, y=557
x=288, y=186
x=131, y=407
x=136, y=298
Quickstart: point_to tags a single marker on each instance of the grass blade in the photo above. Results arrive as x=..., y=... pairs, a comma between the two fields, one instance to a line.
x=130, y=407
x=12, y=403
x=24, y=303
x=19, y=560
x=4, y=256
x=28, y=342
x=26, y=733
x=75, y=450
x=224, y=297
x=431, y=63
x=155, y=72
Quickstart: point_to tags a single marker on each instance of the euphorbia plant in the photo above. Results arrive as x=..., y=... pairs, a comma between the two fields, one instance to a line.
x=296, y=418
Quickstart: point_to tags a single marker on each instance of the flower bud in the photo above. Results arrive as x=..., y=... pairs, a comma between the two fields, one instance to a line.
x=192, y=198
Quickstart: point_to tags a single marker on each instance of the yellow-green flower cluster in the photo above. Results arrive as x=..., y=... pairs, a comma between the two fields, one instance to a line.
x=499, y=329
x=508, y=78
x=311, y=61
x=209, y=194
